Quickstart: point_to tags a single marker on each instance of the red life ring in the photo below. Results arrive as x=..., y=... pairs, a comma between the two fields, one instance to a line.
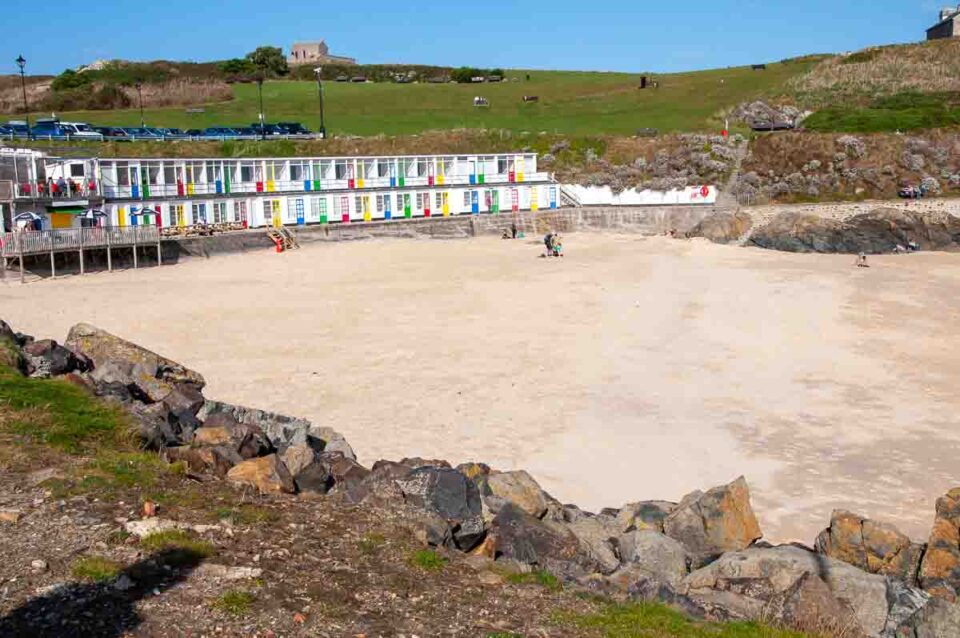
x=705, y=191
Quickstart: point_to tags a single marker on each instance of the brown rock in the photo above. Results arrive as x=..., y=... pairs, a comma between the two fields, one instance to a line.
x=940, y=569
x=518, y=488
x=268, y=474
x=205, y=460
x=719, y=521
x=644, y=515
x=212, y=436
x=298, y=458
x=10, y=516
x=874, y=547
x=474, y=471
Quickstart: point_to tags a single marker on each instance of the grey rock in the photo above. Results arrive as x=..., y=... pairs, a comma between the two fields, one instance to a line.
x=655, y=555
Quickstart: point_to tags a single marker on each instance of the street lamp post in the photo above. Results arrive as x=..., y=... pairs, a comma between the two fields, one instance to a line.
x=23, y=87
x=263, y=134
x=323, y=128
x=140, y=98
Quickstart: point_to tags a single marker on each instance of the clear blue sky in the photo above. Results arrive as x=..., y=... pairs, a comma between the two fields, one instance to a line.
x=621, y=35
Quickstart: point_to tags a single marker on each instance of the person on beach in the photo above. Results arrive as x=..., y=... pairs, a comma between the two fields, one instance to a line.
x=862, y=261
x=513, y=231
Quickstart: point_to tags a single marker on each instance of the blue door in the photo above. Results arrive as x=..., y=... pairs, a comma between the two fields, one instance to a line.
x=475, y=202
x=219, y=186
x=387, y=213
x=134, y=216
x=553, y=197
x=301, y=220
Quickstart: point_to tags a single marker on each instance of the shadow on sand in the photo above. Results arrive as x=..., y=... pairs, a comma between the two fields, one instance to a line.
x=105, y=610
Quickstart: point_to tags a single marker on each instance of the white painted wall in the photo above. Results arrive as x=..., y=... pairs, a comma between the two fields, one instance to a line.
x=604, y=196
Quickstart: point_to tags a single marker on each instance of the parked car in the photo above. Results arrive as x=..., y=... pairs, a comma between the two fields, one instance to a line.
x=268, y=129
x=246, y=131
x=81, y=130
x=141, y=133
x=18, y=127
x=171, y=132
x=219, y=131
x=293, y=128
x=5, y=130
x=193, y=132
x=112, y=132
x=47, y=127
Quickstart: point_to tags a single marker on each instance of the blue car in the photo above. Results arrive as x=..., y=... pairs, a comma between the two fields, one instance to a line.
x=219, y=131
x=17, y=128
x=47, y=128
x=141, y=133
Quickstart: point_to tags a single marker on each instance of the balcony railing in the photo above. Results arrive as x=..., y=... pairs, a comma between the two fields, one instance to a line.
x=166, y=191
x=27, y=242
x=43, y=190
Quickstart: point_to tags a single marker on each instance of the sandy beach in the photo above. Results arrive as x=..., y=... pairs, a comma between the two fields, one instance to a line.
x=634, y=368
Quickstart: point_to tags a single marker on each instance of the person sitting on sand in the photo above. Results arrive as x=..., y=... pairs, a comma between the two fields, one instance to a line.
x=862, y=261
x=505, y=235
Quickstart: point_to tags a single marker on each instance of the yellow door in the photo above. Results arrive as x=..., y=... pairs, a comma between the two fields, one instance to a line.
x=446, y=204
x=61, y=220
x=275, y=213
x=534, y=198
x=366, y=209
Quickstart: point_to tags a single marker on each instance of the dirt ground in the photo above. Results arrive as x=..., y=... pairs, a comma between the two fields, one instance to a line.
x=634, y=368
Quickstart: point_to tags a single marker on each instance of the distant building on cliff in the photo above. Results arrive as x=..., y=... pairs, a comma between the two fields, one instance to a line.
x=315, y=53
x=949, y=25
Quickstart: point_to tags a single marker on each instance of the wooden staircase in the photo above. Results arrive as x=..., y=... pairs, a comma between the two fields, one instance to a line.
x=283, y=239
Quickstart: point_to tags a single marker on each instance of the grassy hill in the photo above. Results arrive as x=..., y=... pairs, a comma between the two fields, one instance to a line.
x=573, y=103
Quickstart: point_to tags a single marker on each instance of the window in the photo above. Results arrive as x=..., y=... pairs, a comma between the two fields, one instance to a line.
x=199, y=213
x=315, y=209
x=383, y=168
x=169, y=176
x=298, y=208
x=488, y=199
x=153, y=173
x=246, y=172
x=358, y=204
x=502, y=165
x=380, y=203
x=76, y=170
x=296, y=172
x=419, y=201
x=240, y=210
x=439, y=201
x=211, y=176
x=421, y=167
x=219, y=212
x=340, y=170
x=268, y=212
x=123, y=174
x=466, y=199
x=336, y=207
x=323, y=207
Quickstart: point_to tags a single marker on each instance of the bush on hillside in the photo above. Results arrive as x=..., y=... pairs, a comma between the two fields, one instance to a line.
x=270, y=61
x=70, y=79
x=465, y=75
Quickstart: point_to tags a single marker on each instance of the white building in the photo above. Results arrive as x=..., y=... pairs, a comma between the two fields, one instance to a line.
x=263, y=192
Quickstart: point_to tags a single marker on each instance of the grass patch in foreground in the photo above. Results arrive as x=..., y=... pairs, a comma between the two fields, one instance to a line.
x=234, y=602
x=176, y=539
x=650, y=620
x=371, y=543
x=247, y=514
x=428, y=560
x=95, y=569
x=540, y=577
x=55, y=413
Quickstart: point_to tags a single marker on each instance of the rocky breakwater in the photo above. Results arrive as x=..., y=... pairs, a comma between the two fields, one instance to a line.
x=879, y=231
x=703, y=555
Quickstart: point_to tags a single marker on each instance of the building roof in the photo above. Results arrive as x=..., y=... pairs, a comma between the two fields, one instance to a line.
x=309, y=43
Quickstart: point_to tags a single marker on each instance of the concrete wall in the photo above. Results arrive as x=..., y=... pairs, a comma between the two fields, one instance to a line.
x=946, y=29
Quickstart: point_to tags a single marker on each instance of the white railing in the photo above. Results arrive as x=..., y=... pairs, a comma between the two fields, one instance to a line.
x=42, y=190
x=29, y=242
x=306, y=186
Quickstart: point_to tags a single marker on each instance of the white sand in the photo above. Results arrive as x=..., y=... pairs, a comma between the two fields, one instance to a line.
x=631, y=369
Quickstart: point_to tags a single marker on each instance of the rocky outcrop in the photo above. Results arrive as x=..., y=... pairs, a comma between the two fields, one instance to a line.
x=879, y=231
x=709, y=524
x=518, y=536
x=872, y=546
x=722, y=227
x=940, y=569
x=451, y=495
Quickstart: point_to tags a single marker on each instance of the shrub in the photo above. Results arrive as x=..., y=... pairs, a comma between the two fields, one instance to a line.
x=540, y=577
x=70, y=79
x=234, y=602
x=428, y=560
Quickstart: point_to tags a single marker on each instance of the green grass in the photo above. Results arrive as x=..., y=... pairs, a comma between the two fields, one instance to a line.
x=234, y=602
x=573, y=103
x=650, y=620
x=539, y=577
x=55, y=413
x=901, y=112
x=428, y=560
x=95, y=569
x=176, y=539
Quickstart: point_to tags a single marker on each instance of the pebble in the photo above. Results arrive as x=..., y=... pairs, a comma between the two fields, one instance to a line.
x=39, y=566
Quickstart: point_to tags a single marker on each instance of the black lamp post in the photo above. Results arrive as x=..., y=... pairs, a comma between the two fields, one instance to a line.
x=23, y=87
x=140, y=97
x=263, y=134
x=323, y=128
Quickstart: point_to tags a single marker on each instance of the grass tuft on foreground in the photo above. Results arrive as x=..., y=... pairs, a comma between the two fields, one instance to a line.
x=177, y=539
x=95, y=569
x=234, y=602
x=540, y=577
x=428, y=560
x=650, y=620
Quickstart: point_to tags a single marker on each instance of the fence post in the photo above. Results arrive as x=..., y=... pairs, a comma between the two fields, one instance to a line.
x=159, y=249
x=81, y=252
x=53, y=265
x=108, y=231
x=20, y=250
x=136, y=231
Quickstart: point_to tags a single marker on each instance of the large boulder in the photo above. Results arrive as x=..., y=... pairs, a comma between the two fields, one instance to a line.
x=644, y=515
x=751, y=584
x=872, y=546
x=720, y=520
x=215, y=461
x=940, y=568
x=518, y=536
x=249, y=441
x=450, y=494
x=282, y=431
x=46, y=358
x=267, y=473
x=723, y=227
x=102, y=347
x=596, y=534
x=519, y=488
x=653, y=555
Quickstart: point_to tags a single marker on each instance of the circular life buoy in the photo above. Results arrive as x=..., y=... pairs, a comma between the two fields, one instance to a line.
x=705, y=191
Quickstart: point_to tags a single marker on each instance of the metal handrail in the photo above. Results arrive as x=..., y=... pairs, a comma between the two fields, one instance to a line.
x=33, y=242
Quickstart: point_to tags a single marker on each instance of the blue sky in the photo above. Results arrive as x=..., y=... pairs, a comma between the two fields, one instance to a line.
x=620, y=35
